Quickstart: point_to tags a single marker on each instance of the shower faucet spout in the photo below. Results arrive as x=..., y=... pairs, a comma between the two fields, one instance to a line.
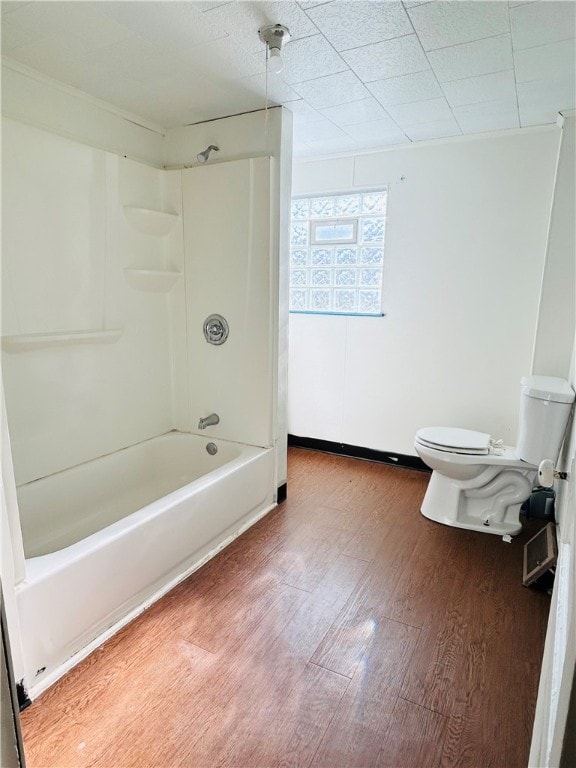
x=209, y=421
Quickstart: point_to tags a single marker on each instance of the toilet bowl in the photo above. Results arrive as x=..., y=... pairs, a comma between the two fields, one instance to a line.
x=479, y=484
x=476, y=483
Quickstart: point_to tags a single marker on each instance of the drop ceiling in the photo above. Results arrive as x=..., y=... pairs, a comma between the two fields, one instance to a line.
x=357, y=75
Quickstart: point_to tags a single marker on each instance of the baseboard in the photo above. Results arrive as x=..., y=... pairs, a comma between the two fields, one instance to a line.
x=358, y=452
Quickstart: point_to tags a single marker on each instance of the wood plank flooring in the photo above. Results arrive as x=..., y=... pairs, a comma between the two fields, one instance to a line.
x=343, y=630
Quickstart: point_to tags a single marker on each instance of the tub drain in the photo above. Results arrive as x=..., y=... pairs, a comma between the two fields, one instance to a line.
x=212, y=448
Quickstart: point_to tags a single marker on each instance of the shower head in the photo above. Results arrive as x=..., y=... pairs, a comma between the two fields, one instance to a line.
x=202, y=157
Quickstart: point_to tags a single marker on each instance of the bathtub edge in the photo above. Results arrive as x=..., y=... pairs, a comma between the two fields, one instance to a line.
x=34, y=691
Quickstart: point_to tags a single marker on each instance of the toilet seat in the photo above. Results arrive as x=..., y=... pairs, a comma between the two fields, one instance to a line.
x=455, y=440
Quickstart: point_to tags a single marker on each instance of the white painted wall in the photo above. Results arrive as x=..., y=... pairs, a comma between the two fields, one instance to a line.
x=464, y=254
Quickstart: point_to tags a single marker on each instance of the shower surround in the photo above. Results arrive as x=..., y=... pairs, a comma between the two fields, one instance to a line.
x=107, y=374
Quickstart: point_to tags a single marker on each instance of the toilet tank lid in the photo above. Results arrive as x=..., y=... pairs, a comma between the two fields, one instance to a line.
x=547, y=388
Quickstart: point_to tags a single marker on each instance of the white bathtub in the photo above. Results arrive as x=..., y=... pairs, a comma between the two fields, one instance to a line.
x=105, y=539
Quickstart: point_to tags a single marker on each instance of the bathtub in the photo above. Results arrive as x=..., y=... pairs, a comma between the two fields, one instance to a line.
x=105, y=539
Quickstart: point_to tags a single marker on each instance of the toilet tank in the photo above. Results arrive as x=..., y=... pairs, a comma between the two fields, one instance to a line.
x=545, y=403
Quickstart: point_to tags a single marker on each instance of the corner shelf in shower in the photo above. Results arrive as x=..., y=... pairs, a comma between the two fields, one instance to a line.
x=154, y=280
x=29, y=341
x=149, y=221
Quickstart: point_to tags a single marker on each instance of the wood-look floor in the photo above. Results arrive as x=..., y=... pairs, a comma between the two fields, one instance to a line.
x=342, y=630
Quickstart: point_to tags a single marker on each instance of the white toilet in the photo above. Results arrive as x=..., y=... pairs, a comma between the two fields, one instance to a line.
x=479, y=484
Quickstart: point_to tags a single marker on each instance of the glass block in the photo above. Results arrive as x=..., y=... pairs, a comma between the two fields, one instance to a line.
x=374, y=202
x=321, y=276
x=298, y=299
x=369, y=302
x=345, y=276
x=347, y=205
x=298, y=258
x=334, y=232
x=299, y=234
x=372, y=230
x=320, y=256
x=346, y=256
x=344, y=301
x=300, y=208
x=320, y=300
x=370, y=276
x=321, y=207
x=298, y=277
x=371, y=255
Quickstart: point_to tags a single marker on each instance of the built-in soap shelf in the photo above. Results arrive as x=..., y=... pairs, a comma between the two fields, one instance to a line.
x=154, y=280
x=29, y=341
x=149, y=221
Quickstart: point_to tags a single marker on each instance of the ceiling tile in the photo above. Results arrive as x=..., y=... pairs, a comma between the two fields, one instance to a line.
x=488, y=116
x=418, y=112
x=77, y=26
x=377, y=130
x=182, y=62
x=352, y=24
x=356, y=112
x=495, y=87
x=310, y=58
x=407, y=88
x=539, y=103
x=55, y=61
x=306, y=4
x=207, y=5
x=436, y=129
x=321, y=130
x=543, y=22
x=556, y=61
x=225, y=59
x=442, y=24
x=304, y=113
x=133, y=58
x=278, y=91
x=471, y=59
x=333, y=89
x=157, y=22
x=392, y=58
x=14, y=36
x=242, y=20
x=329, y=147
x=7, y=6
x=383, y=141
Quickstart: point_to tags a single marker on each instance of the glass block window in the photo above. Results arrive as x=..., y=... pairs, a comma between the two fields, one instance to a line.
x=337, y=253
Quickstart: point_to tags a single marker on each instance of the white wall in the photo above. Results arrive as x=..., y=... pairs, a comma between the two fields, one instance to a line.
x=464, y=253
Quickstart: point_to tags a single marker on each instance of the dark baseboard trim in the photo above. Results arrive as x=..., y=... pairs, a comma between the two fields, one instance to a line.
x=358, y=452
x=282, y=493
x=24, y=700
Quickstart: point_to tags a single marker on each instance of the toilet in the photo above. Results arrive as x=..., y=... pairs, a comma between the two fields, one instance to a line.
x=479, y=484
